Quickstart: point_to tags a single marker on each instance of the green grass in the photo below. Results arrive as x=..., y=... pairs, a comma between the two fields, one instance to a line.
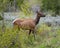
x=46, y=37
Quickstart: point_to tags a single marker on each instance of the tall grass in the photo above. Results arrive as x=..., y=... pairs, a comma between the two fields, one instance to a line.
x=45, y=38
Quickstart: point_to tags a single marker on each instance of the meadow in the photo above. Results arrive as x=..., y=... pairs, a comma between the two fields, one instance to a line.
x=47, y=28
x=46, y=37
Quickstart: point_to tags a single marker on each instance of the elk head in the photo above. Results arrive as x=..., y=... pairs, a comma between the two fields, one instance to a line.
x=40, y=14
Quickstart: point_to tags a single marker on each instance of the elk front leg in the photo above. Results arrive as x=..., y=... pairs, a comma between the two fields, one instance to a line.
x=29, y=32
x=33, y=33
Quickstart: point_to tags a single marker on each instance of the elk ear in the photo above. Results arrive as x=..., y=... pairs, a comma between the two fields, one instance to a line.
x=37, y=12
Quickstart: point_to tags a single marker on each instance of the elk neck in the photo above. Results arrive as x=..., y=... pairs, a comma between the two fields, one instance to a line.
x=37, y=19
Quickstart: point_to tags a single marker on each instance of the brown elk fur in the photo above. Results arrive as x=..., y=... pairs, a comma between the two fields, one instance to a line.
x=28, y=24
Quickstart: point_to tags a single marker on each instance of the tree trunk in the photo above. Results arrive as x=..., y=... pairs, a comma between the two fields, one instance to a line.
x=14, y=5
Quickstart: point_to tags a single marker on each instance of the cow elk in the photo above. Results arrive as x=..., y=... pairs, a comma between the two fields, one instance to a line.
x=28, y=24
